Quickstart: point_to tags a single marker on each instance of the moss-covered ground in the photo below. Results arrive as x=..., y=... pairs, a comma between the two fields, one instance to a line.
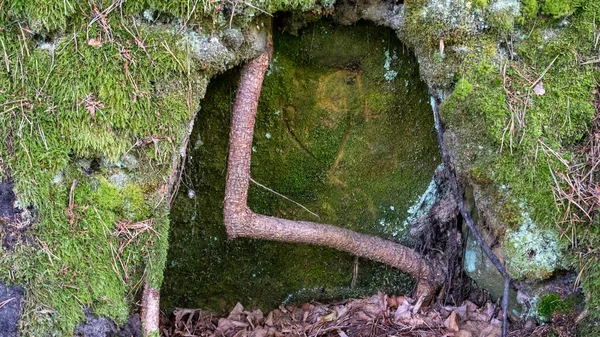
x=345, y=129
x=94, y=105
x=68, y=100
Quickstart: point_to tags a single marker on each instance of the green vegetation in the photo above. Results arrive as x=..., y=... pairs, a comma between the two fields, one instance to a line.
x=553, y=303
x=515, y=138
x=557, y=8
x=106, y=104
x=530, y=9
x=332, y=133
x=462, y=89
x=84, y=94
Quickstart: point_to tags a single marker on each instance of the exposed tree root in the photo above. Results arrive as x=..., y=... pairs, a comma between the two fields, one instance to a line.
x=242, y=222
x=454, y=186
x=150, y=310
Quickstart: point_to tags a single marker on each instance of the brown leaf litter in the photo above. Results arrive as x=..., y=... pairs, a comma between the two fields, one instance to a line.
x=378, y=315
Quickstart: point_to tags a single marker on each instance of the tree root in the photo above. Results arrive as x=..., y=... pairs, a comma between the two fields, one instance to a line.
x=454, y=186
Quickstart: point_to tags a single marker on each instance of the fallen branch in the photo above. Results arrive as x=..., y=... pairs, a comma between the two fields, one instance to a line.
x=240, y=221
x=454, y=186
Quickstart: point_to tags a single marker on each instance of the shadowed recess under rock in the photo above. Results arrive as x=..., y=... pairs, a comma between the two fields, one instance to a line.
x=10, y=307
x=345, y=129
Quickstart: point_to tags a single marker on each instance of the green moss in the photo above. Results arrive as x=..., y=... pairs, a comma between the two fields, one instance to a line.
x=530, y=9
x=481, y=4
x=553, y=303
x=134, y=204
x=501, y=22
x=520, y=163
x=325, y=97
x=557, y=8
x=462, y=89
x=70, y=100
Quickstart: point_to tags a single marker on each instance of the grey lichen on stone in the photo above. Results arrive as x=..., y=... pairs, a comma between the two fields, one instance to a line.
x=209, y=50
x=58, y=178
x=85, y=164
x=128, y=161
x=511, y=6
x=221, y=50
x=233, y=38
x=532, y=252
x=119, y=179
x=451, y=14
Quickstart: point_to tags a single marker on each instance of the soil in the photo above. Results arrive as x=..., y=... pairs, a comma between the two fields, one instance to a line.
x=10, y=307
x=95, y=326
x=14, y=221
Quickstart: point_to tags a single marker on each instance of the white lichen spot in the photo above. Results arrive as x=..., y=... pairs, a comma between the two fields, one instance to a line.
x=511, y=6
x=470, y=260
x=48, y=46
x=268, y=135
x=532, y=252
x=149, y=15
x=254, y=149
x=273, y=67
x=58, y=177
x=277, y=113
x=390, y=74
x=549, y=34
x=198, y=143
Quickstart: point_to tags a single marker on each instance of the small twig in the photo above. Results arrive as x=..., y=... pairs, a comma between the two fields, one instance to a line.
x=232, y=14
x=419, y=303
x=6, y=61
x=286, y=198
x=590, y=62
x=3, y=303
x=258, y=9
x=543, y=73
x=558, y=156
x=354, y=273
x=71, y=202
x=170, y=52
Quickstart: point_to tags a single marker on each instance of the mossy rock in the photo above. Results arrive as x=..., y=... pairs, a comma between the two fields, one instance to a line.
x=333, y=134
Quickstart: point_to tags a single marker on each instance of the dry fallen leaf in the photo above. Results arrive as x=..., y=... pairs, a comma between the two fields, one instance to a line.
x=328, y=318
x=450, y=322
x=95, y=43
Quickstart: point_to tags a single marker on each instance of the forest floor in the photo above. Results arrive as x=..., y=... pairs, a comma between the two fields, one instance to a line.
x=378, y=315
